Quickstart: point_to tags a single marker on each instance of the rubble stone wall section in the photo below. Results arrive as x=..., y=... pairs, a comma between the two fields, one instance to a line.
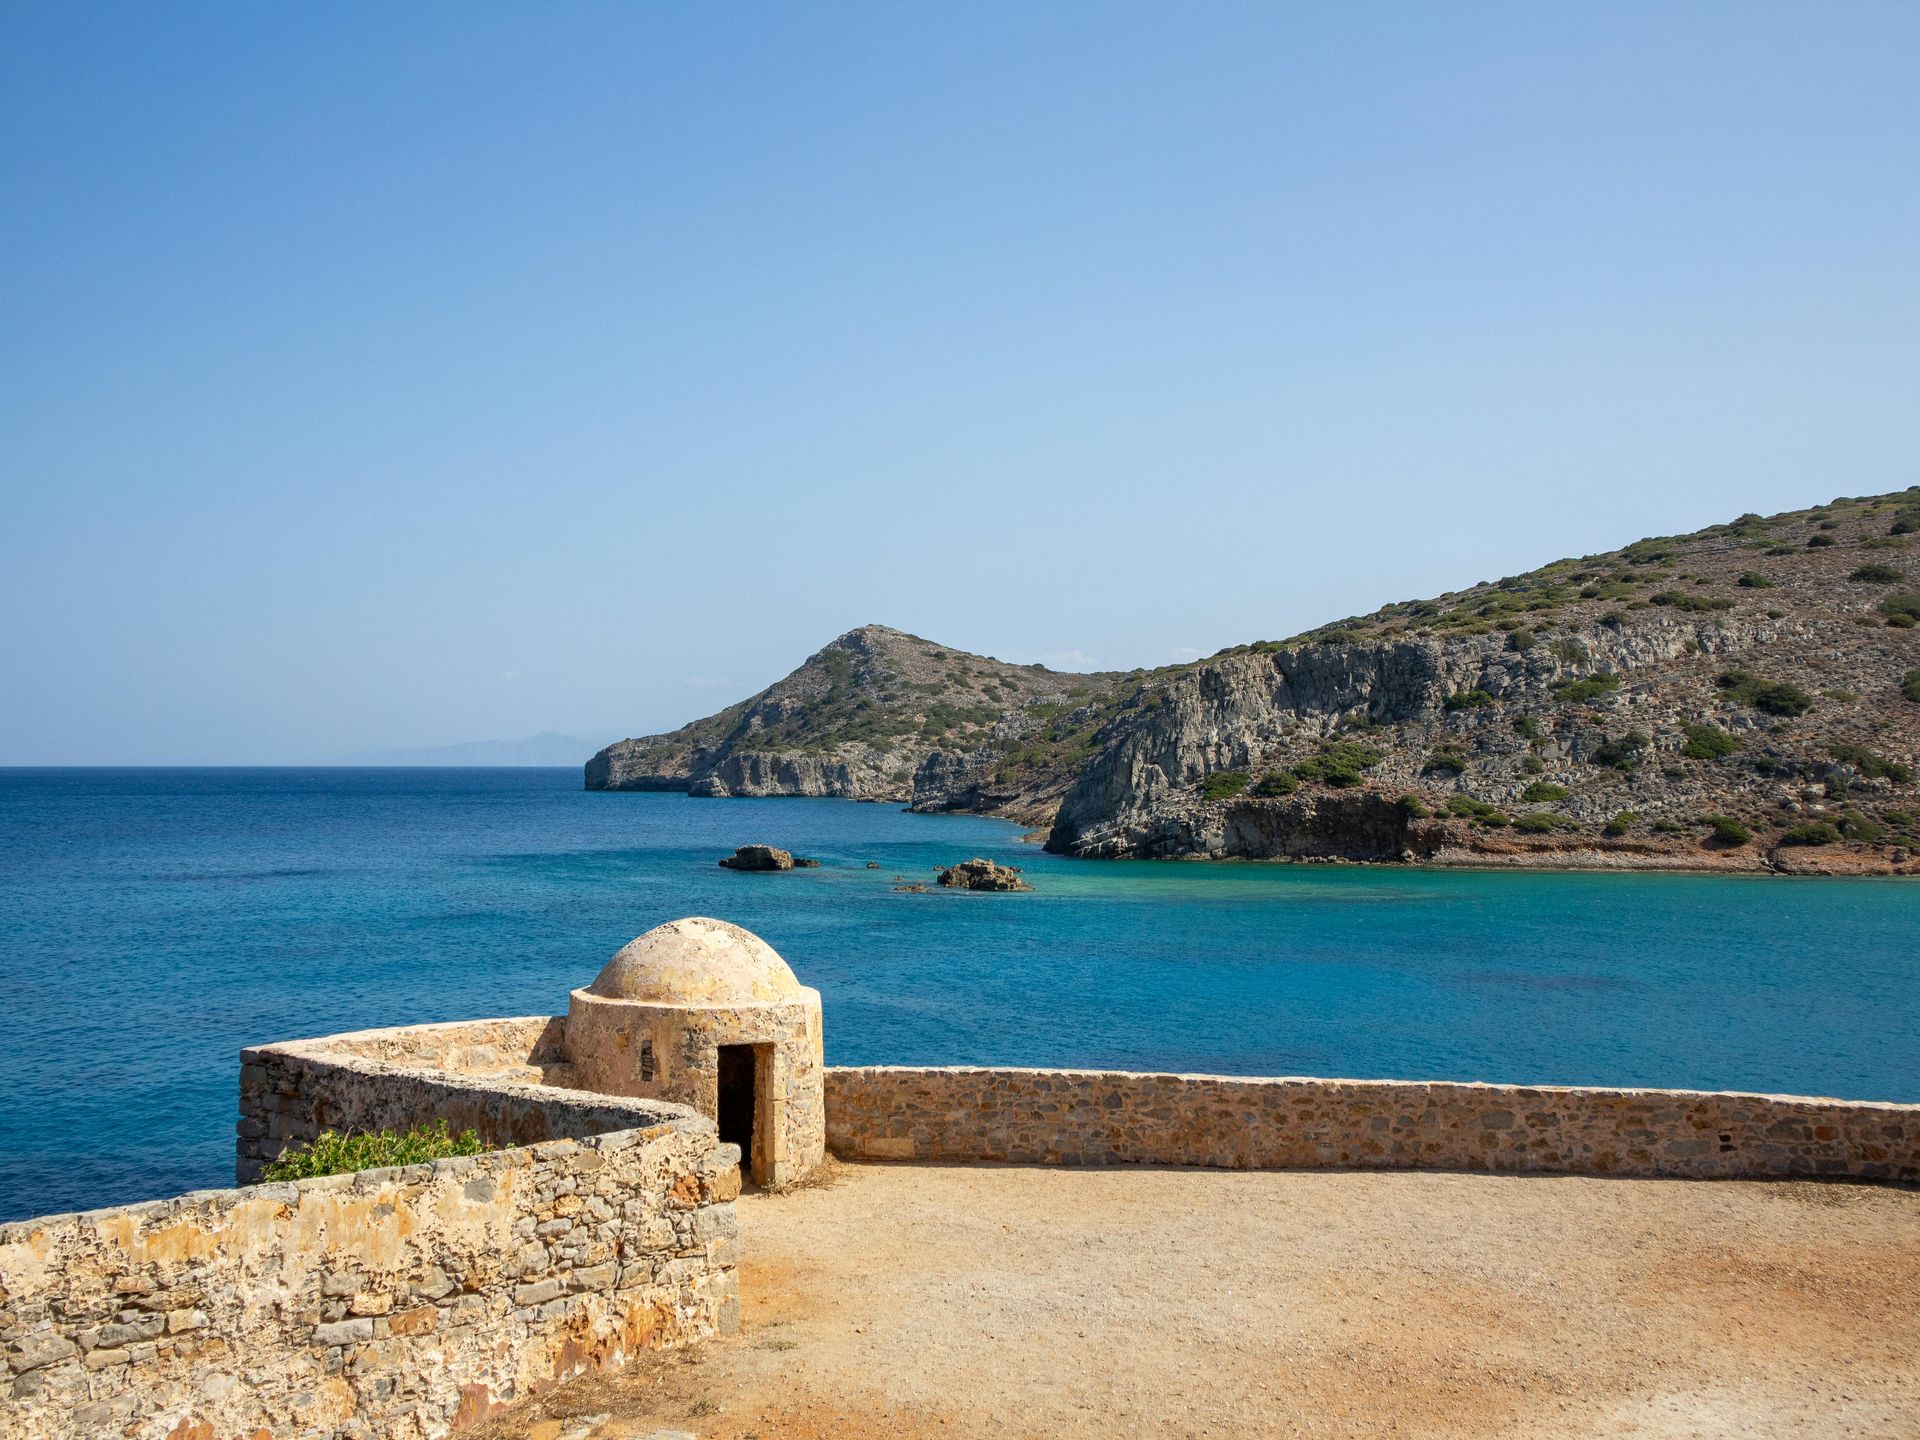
x=498, y=1077
x=392, y=1304
x=1088, y=1117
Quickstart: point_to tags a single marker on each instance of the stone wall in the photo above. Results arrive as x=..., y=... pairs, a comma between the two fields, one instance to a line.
x=495, y=1076
x=1085, y=1117
x=392, y=1303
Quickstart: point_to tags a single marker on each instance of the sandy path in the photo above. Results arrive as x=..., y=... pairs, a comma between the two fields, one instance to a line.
x=921, y=1300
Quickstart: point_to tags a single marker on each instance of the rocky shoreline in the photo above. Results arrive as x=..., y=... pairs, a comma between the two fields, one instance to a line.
x=1745, y=699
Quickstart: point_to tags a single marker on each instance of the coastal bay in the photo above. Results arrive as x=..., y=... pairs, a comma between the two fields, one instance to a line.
x=153, y=922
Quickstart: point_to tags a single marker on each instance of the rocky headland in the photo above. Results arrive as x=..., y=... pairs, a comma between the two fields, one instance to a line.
x=1746, y=697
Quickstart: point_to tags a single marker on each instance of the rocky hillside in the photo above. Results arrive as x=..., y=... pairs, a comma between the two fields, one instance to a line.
x=1746, y=697
x=857, y=721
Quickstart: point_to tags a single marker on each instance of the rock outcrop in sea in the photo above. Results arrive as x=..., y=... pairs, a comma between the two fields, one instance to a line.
x=760, y=857
x=978, y=874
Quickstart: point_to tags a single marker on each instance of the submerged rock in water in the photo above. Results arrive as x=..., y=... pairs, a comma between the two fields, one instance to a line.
x=760, y=857
x=977, y=874
x=802, y=863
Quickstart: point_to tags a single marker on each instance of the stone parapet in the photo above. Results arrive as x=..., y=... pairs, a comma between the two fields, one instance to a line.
x=1092, y=1117
x=397, y=1303
x=481, y=1074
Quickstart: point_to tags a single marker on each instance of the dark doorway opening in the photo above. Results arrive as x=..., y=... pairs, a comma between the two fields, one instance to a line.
x=736, y=1101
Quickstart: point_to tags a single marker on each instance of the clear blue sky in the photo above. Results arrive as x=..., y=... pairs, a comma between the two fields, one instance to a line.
x=378, y=375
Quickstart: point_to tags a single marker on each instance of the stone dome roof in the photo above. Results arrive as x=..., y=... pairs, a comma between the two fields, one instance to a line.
x=696, y=961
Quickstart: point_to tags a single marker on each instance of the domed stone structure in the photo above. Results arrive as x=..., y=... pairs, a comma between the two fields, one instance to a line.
x=708, y=1014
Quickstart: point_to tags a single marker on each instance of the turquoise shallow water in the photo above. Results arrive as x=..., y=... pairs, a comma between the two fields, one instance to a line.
x=153, y=922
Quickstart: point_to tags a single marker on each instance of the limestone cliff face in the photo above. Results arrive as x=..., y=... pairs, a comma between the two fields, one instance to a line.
x=1262, y=711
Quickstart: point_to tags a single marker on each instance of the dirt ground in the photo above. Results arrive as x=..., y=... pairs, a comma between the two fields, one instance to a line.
x=914, y=1300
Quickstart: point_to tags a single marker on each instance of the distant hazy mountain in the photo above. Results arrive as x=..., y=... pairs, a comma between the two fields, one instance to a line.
x=546, y=748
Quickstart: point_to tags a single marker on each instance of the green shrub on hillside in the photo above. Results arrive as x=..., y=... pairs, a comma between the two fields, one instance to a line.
x=1528, y=728
x=1466, y=807
x=1813, y=832
x=1340, y=763
x=1469, y=700
x=1754, y=580
x=1591, y=688
x=1819, y=542
x=1414, y=808
x=1727, y=831
x=1856, y=826
x=1680, y=600
x=1622, y=752
x=1910, y=686
x=1775, y=697
x=1223, y=784
x=1445, y=762
x=1895, y=606
x=1877, y=575
x=1620, y=824
x=1276, y=784
x=1521, y=639
x=1868, y=763
x=332, y=1153
x=1708, y=742
x=1543, y=792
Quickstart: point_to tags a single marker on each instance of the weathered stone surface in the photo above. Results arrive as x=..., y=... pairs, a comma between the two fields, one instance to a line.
x=658, y=1019
x=249, y=1332
x=759, y=857
x=980, y=874
x=1090, y=1117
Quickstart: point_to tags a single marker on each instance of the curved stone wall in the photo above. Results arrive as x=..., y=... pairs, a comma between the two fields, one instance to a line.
x=1096, y=1117
x=503, y=1078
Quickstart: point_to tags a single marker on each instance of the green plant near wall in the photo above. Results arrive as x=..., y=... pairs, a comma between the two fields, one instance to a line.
x=334, y=1153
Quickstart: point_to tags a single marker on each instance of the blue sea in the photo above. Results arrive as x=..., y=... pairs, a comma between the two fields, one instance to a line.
x=152, y=922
